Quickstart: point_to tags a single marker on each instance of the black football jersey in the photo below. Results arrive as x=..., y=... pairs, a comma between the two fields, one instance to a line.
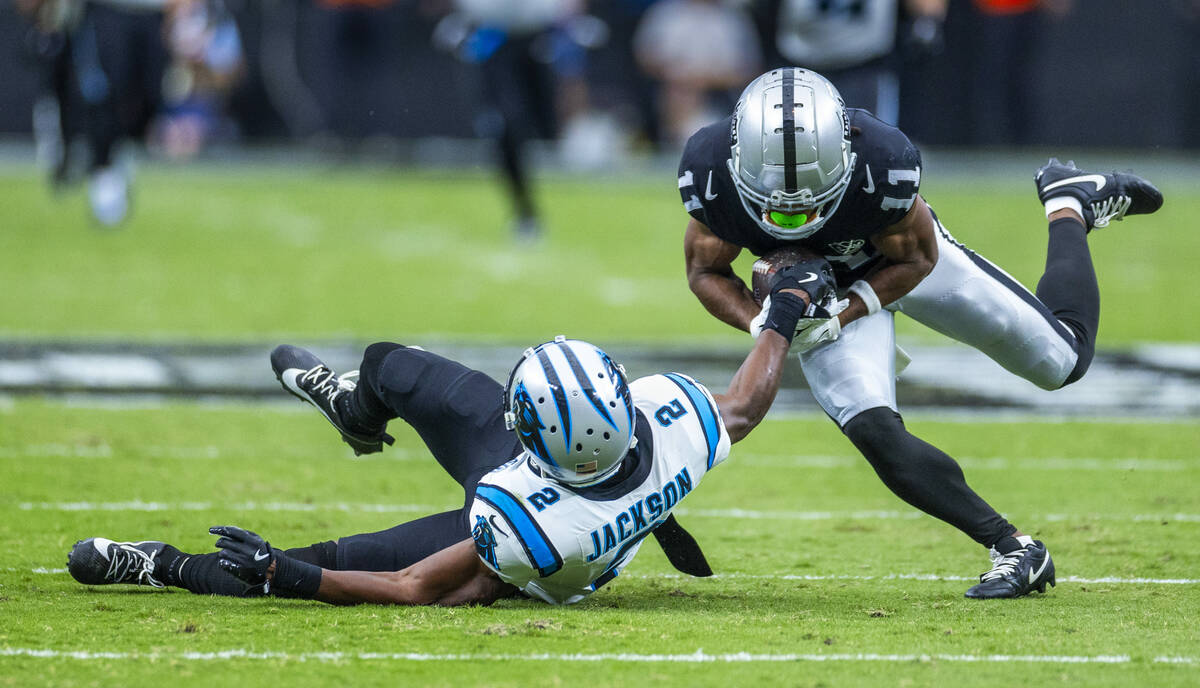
x=883, y=187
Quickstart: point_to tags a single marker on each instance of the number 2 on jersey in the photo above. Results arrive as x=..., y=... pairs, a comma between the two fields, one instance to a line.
x=668, y=413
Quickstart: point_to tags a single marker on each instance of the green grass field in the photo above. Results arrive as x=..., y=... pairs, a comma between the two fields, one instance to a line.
x=1114, y=502
x=826, y=579
x=266, y=253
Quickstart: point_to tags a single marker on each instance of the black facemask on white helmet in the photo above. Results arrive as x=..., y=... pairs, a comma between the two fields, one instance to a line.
x=790, y=152
x=570, y=406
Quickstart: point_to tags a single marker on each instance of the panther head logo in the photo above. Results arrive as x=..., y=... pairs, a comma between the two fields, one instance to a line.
x=528, y=422
x=485, y=541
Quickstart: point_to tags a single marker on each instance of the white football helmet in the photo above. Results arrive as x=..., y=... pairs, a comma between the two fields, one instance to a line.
x=790, y=157
x=571, y=408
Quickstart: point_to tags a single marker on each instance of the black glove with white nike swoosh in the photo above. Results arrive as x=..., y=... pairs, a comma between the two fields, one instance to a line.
x=248, y=557
x=814, y=278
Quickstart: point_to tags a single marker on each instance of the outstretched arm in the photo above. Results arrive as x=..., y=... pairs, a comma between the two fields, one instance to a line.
x=795, y=295
x=454, y=576
x=754, y=385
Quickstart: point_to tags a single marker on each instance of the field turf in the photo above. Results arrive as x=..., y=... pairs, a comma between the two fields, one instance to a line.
x=826, y=579
x=254, y=253
x=802, y=533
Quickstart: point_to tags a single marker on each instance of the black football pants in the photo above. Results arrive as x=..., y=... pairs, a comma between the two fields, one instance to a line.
x=457, y=411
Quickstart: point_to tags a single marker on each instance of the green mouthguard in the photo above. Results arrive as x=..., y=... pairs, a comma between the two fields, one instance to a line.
x=789, y=221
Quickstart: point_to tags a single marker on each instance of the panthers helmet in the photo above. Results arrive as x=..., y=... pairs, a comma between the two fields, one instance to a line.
x=571, y=408
x=790, y=156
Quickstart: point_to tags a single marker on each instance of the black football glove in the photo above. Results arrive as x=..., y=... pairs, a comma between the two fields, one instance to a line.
x=813, y=277
x=247, y=556
x=244, y=554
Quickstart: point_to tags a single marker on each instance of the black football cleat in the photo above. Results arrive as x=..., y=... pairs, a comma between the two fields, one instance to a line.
x=305, y=376
x=1015, y=574
x=1104, y=197
x=100, y=561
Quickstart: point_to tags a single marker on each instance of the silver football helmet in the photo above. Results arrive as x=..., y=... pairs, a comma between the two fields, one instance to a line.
x=571, y=408
x=790, y=159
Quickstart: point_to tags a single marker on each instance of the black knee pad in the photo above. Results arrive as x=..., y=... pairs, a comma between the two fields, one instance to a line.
x=373, y=358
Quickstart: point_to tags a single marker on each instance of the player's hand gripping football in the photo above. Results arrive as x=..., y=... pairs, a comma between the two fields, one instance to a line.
x=805, y=322
x=244, y=554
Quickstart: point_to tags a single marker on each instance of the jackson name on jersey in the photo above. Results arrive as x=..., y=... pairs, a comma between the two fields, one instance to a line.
x=560, y=543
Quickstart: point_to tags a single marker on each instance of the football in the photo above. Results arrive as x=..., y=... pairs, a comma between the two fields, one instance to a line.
x=765, y=268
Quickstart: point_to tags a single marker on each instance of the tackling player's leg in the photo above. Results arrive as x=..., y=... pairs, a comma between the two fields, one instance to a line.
x=100, y=561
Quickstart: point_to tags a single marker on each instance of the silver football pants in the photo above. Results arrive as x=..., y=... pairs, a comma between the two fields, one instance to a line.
x=964, y=297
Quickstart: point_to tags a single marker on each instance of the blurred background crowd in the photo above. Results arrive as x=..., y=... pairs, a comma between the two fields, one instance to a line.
x=600, y=78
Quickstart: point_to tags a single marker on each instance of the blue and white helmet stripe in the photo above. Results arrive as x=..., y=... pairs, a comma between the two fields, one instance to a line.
x=559, y=395
x=572, y=410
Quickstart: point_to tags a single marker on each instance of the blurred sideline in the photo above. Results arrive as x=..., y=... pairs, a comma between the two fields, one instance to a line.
x=1147, y=382
x=957, y=166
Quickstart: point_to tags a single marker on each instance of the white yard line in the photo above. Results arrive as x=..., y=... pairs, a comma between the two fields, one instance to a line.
x=697, y=657
x=1106, y=580
x=734, y=514
x=1110, y=580
x=138, y=505
x=999, y=463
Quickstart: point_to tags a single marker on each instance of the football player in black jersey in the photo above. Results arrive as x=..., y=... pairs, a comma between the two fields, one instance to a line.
x=793, y=165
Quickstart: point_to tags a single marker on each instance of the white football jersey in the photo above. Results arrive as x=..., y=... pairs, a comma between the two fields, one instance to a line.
x=560, y=543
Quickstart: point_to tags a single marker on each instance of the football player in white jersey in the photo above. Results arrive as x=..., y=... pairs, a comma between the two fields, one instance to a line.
x=555, y=509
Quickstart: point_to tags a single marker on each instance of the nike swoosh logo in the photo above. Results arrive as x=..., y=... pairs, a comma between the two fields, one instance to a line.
x=1034, y=575
x=812, y=277
x=260, y=555
x=870, y=187
x=1097, y=179
x=492, y=520
x=708, y=194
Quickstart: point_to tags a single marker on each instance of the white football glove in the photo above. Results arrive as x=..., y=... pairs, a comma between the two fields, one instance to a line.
x=812, y=332
x=809, y=331
x=756, y=325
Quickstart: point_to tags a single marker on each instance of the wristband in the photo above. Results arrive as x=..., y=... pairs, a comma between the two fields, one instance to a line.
x=786, y=311
x=297, y=577
x=866, y=292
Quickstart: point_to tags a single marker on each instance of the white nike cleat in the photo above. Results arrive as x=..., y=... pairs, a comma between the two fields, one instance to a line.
x=1104, y=197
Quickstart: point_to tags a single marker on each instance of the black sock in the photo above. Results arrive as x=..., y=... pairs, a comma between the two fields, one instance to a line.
x=364, y=410
x=1069, y=289
x=200, y=573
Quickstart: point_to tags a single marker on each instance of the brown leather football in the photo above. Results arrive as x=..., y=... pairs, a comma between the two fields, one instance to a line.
x=769, y=265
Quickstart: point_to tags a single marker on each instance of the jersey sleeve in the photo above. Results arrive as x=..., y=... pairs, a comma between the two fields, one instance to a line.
x=891, y=166
x=677, y=402
x=689, y=167
x=508, y=539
